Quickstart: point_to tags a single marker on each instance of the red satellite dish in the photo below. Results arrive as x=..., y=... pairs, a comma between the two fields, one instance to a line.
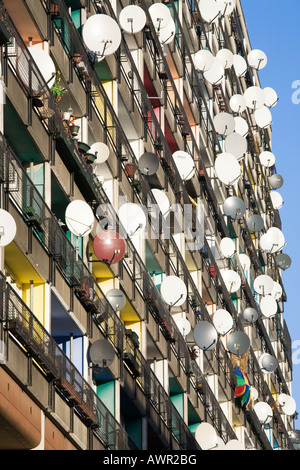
x=109, y=246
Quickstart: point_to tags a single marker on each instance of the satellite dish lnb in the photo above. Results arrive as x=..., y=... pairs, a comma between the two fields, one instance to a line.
x=8, y=228
x=101, y=354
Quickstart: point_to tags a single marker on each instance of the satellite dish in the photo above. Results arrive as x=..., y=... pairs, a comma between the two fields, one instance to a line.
x=226, y=58
x=184, y=326
x=238, y=343
x=270, y=97
x=231, y=279
x=160, y=15
x=263, y=411
x=132, y=218
x=132, y=19
x=109, y=246
x=250, y=315
x=185, y=164
x=254, y=393
x=173, y=291
x=283, y=261
x=241, y=126
x=234, y=444
x=277, y=291
x=276, y=199
x=263, y=284
x=234, y=207
x=101, y=353
x=205, y=335
x=236, y=145
x=227, y=247
x=244, y=261
x=8, y=228
x=240, y=65
x=257, y=59
x=254, y=97
x=295, y=438
x=79, y=218
x=101, y=151
x=237, y=103
x=267, y=243
x=226, y=7
x=222, y=321
x=206, y=436
x=167, y=33
x=162, y=201
x=203, y=60
x=287, y=404
x=116, y=299
x=224, y=123
x=216, y=73
x=227, y=168
x=277, y=239
x=268, y=306
x=276, y=181
x=268, y=363
x=101, y=35
x=149, y=163
x=220, y=444
x=255, y=223
x=267, y=159
x=44, y=64
x=263, y=117
x=209, y=10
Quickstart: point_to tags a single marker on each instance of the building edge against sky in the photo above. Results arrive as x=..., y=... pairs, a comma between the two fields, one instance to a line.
x=142, y=304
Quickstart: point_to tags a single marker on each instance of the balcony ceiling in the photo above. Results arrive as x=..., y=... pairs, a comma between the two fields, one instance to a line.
x=22, y=20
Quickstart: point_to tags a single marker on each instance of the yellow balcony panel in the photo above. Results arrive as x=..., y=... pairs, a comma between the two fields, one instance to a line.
x=19, y=266
x=129, y=315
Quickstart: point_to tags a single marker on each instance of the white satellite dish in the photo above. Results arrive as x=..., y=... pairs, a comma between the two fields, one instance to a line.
x=185, y=164
x=79, y=218
x=237, y=103
x=231, y=279
x=224, y=123
x=254, y=97
x=241, y=126
x=277, y=291
x=277, y=239
x=250, y=314
x=226, y=57
x=268, y=306
x=160, y=15
x=263, y=284
x=206, y=436
x=257, y=59
x=276, y=181
x=226, y=7
x=203, y=60
x=270, y=97
x=101, y=35
x=205, y=335
x=236, y=145
x=116, y=299
x=227, y=168
x=263, y=411
x=162, y=201
x=254, y=393
x=132, y=218
x=132, y=19
x=267, y=159
x=244, y=261
x=240, y=65
x=173, y=291
x=101, y=353
x=227, y=247
x=263, y=117
x=209, y=10
x=276, y=199
x=287, y=404
x=222, y=321
x=268, y=363
x=101, y=151
x=216, y=73
x=8, y=228
x=184, y=326
x=167, y=33
x=220, y=444
x=234, y=444
x=44, y=64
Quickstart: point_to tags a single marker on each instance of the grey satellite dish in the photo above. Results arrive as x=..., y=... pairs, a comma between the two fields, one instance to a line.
x=116, y=299
x=276, y=181
x=149, y=163
x=203, y=60
x=237, y=103
x=238, y=343
x=268, y=363
x=222, y=321
x=257, y=59
x=236, y=145
x=8, y=228
x=295, y=438
x=173, y=291
x=160, y=15
x=79, y=218
x=224, y=123
x=283, y=261
x=255, y=223
x=263, y=284
x=263, y=411
x=132, y=19
x=227, y=168
x=254, y=97
x=268, y=306
x=101, y=353
x=250, y=315
x=205, y=335
x=234, y=207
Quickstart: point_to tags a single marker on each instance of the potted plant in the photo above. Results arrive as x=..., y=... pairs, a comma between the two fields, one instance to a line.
x=57, y=90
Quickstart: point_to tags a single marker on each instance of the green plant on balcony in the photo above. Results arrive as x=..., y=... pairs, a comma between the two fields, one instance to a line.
x=57, y=90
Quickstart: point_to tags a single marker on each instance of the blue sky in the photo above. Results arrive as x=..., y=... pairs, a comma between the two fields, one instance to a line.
x=273, y=27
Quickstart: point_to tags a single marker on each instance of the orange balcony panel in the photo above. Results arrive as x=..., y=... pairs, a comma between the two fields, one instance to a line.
x=55, y=439
x=20, y=417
